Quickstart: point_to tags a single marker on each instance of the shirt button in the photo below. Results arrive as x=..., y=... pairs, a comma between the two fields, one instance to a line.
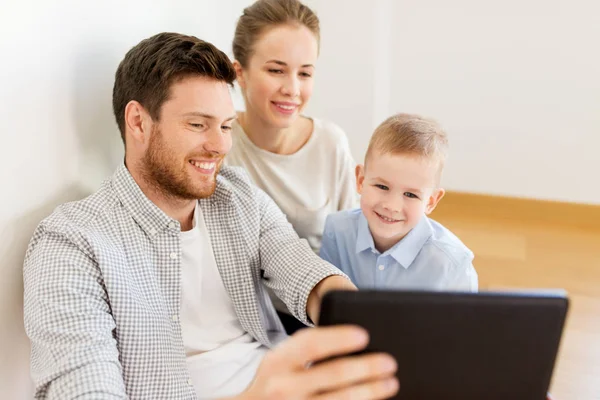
x=381, y=267
x=190, y=382
x=175, y=318
x=172, y=224
x=173, y=255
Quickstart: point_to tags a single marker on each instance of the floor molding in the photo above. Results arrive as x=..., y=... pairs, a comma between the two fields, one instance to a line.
x=514, y=208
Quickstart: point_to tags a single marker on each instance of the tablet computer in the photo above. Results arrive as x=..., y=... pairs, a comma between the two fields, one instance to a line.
x=459, y=346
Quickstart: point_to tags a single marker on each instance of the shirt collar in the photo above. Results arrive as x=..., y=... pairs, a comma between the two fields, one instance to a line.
x=364, y=240
x=147, y=214
x=405, y=251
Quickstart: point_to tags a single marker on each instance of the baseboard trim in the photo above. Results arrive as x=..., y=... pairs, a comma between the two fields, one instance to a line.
x=514, y=208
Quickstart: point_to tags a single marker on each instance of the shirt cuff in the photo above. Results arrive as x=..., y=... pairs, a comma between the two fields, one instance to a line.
x=315, y=276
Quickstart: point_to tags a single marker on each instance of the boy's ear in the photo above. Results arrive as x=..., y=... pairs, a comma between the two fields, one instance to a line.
x=359, y=171
x=434, y=199
x=239, y=74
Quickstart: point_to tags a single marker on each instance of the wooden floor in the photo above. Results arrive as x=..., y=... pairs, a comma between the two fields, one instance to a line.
x=514, y=249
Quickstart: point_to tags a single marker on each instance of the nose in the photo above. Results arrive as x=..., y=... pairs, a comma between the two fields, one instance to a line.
x=291, y=86
x=217, y=142
x=393, y=204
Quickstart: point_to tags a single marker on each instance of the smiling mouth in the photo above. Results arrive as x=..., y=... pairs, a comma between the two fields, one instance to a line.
x=286, y=108
x=206, y=167
x=386, y=219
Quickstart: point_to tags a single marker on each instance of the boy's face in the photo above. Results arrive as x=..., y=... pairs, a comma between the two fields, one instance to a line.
x=396, y=191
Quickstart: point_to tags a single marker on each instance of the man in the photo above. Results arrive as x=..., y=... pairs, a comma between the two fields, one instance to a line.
x=153, y=287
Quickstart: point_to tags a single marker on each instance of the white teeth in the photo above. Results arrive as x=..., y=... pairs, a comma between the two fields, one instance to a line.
x=204, y=165
x=285, y=107
x=386, y=218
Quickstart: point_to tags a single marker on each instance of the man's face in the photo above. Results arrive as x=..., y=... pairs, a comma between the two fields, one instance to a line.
x=187, y=146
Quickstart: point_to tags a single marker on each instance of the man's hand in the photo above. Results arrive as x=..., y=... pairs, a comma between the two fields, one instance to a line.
x=334, y=282
x=285, y=373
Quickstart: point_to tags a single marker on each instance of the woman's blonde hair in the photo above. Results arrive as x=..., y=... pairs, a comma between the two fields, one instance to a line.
x=265, y=14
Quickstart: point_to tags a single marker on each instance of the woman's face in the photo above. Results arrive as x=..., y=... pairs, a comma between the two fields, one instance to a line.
x=278, y=80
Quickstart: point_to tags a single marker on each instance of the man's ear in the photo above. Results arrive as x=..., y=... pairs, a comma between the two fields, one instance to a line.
x=239, y=74
x=434, y=199
x=138, y=123
x=359, y=171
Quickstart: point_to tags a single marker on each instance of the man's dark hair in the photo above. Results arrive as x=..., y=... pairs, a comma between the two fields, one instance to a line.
x=153, y=65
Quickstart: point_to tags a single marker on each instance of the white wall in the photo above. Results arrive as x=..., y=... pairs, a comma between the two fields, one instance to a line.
x=353, y=71
x=58, y=139
x=515, y=82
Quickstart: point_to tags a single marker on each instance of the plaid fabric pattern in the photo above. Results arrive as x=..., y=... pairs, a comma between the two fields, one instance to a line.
x=103, y=291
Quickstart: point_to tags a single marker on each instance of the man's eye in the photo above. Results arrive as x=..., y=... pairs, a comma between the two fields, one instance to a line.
x=226, y=128
x=411, y=195
x=382, y=187
x=197, y=125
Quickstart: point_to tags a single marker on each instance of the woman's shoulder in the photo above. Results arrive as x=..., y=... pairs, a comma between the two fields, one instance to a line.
x=328, y=131
x=236, y=129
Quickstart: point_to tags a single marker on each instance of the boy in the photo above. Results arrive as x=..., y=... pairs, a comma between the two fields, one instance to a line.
x=389, y=242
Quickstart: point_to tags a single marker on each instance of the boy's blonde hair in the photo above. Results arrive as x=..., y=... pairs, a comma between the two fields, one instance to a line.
x=410, y=134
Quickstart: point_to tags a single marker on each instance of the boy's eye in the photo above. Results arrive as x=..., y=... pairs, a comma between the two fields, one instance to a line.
x=382, y=187
x=411, y=195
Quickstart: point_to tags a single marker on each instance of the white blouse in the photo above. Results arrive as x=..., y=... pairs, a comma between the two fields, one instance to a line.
x=308, y=185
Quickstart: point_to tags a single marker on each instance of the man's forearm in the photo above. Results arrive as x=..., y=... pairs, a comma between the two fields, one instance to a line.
x=335, y=282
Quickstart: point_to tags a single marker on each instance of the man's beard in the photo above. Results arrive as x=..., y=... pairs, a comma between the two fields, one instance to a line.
x=162, y=169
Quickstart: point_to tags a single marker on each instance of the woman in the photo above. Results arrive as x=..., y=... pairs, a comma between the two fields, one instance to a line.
x=303, y=163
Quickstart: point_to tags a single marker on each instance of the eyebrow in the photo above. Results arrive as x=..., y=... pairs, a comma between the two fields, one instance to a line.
x=386, y=183
x=284, y=64
x=207, y=116
x=379, y=179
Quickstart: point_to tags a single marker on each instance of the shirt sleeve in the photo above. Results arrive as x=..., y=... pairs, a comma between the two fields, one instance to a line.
x=466, y=278
x=291, y=268
x=68, y=320
x=348, y=196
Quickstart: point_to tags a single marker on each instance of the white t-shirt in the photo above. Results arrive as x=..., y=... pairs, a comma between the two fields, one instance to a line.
x=308, y=185
x=222, y=358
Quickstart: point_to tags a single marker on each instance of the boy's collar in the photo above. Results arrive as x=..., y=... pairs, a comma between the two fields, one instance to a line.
x=364, y=240
x=406, y=250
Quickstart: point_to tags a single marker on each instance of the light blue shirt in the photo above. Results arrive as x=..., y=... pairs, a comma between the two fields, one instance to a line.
x=429, y=257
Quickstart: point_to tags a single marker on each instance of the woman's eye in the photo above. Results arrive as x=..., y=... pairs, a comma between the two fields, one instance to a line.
x=276, y=71
x=382, y=187
x=305, y=75
x=411, y=195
